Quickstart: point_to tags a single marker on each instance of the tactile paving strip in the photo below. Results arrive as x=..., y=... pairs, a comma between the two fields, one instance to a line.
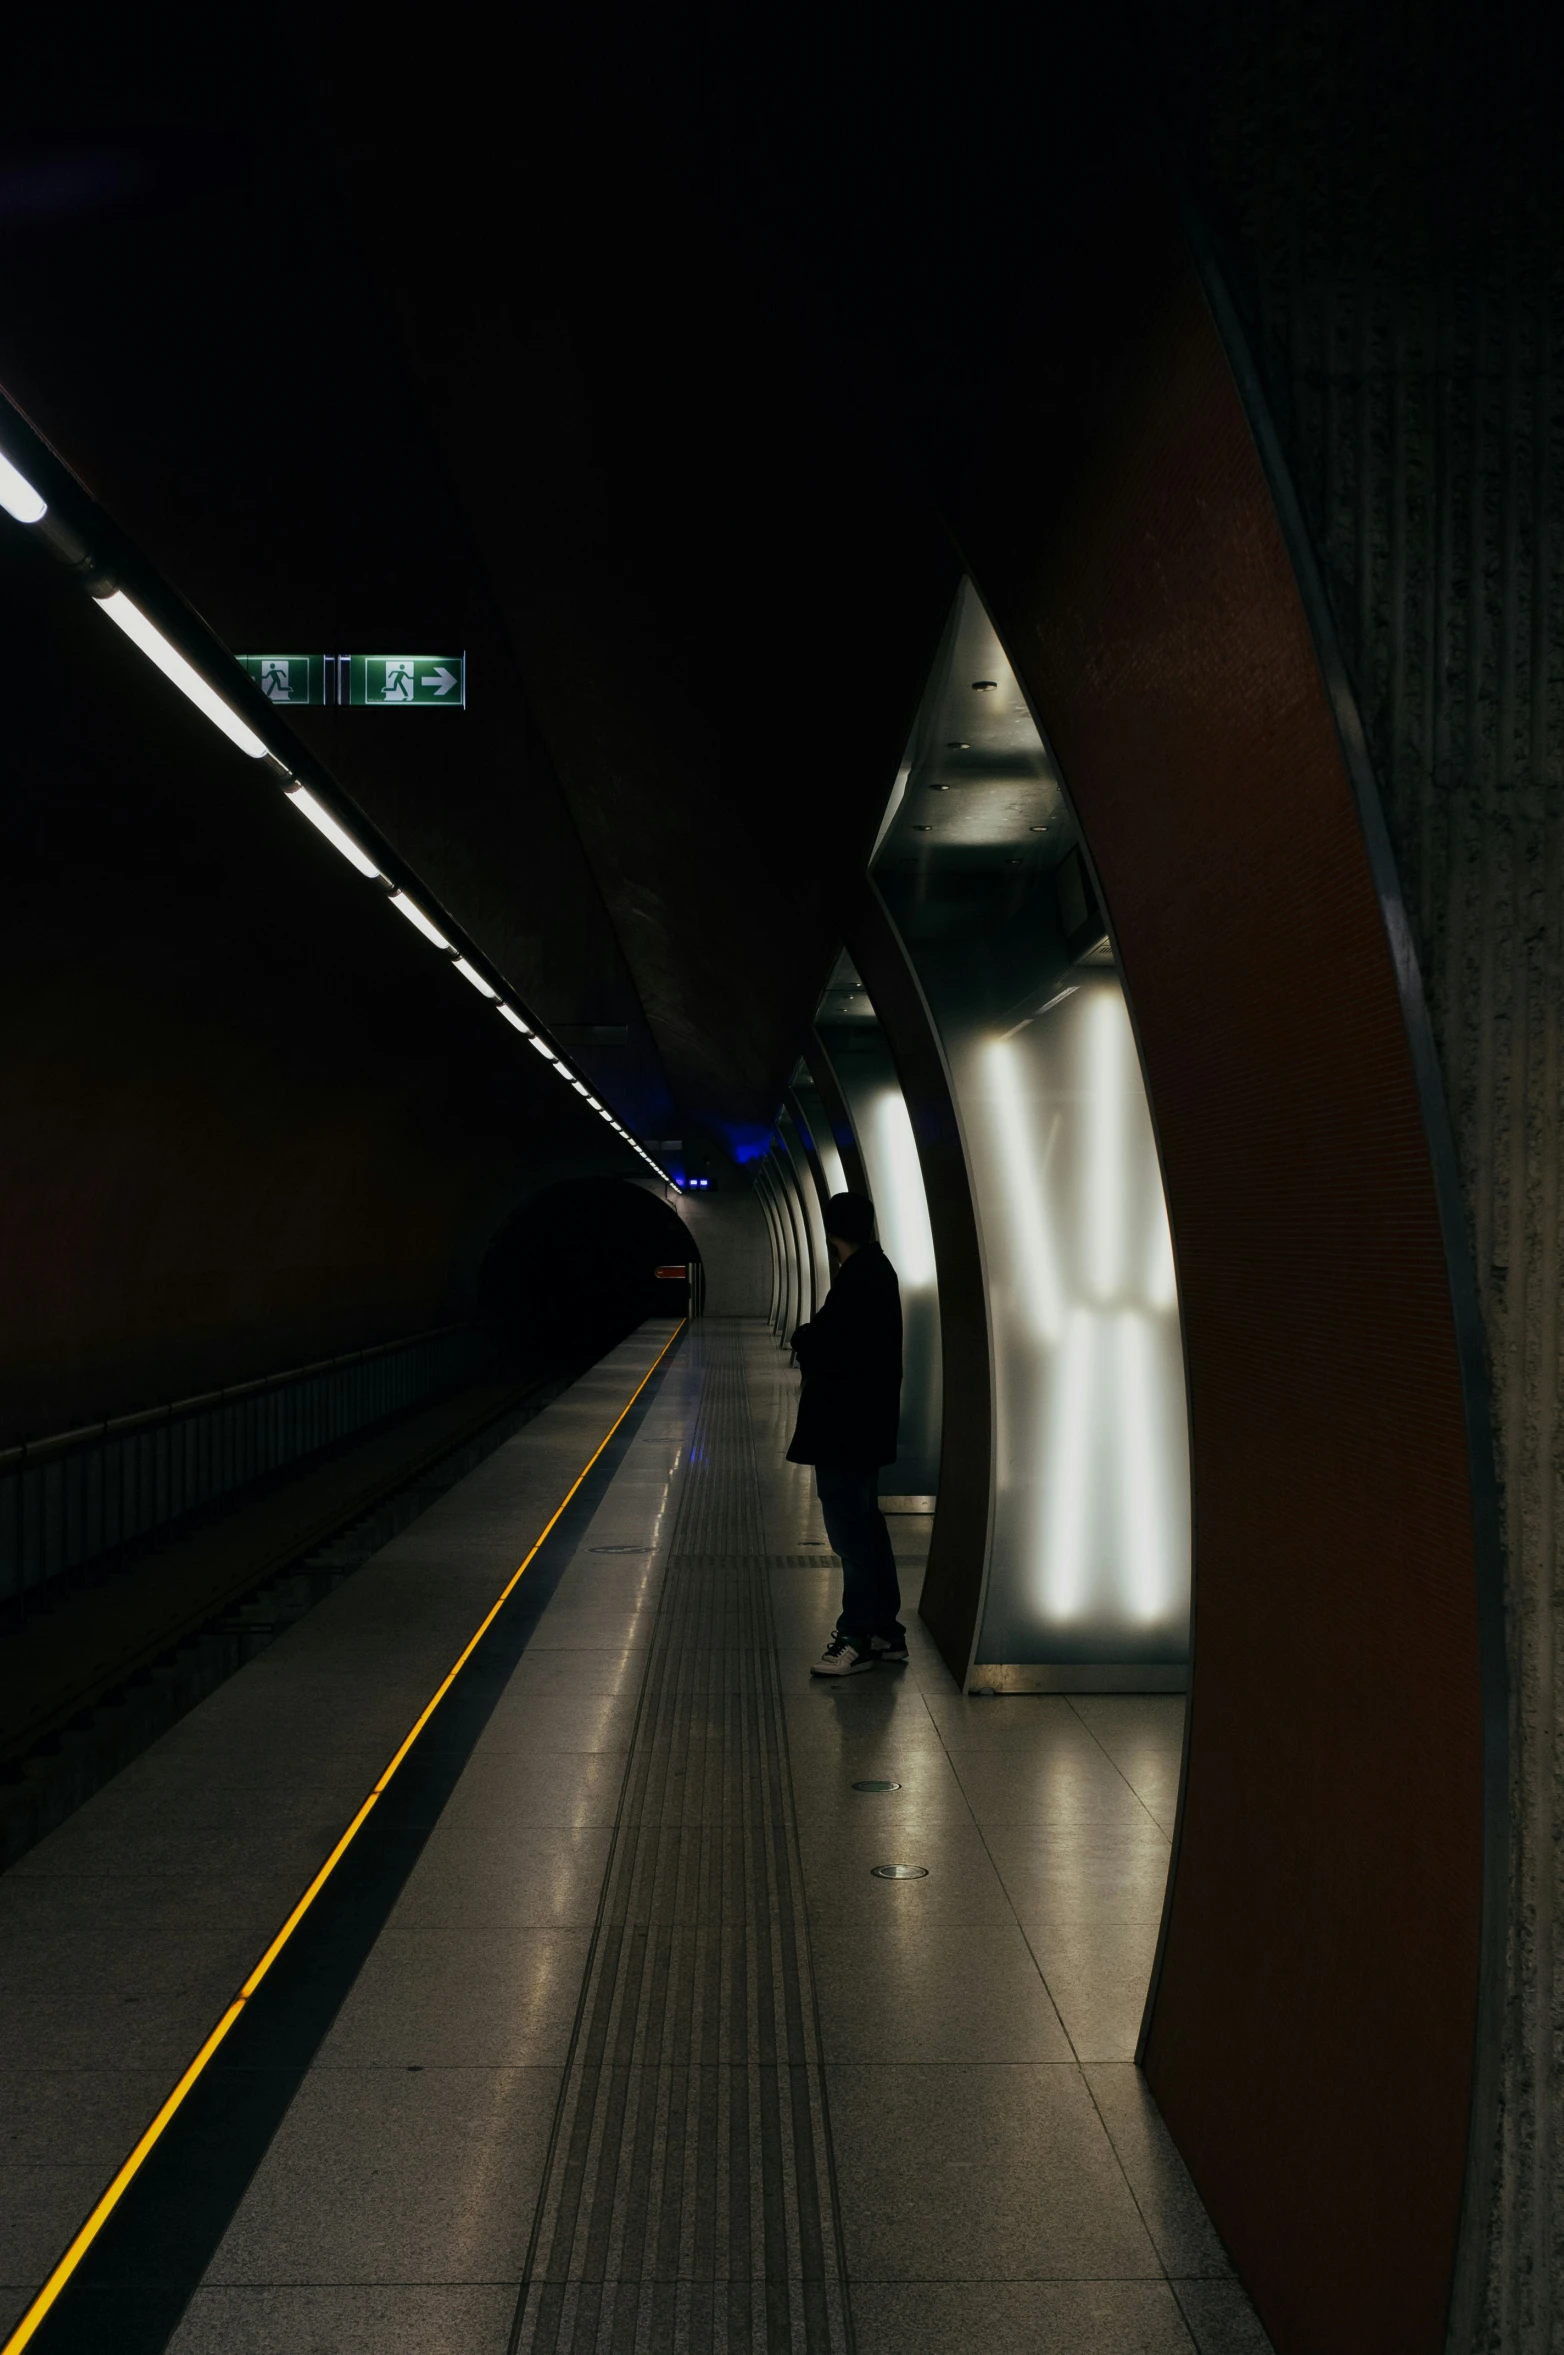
x=820, y=1561
x=688, y=2202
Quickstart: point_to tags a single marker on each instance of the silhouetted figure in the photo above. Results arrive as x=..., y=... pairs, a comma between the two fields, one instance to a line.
x=847, y=1421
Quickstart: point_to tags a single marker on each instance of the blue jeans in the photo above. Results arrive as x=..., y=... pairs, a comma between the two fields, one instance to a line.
x=871, y=1597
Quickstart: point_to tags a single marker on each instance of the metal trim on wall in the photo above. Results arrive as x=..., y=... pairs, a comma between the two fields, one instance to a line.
x=959, y=1546
x=813, y=1123
x=799, y=1283
x=823, y=1072
x=787, y=1315
x=811, y=1201
x=765, y=1178
x=803, y=1129
x=763, y=1197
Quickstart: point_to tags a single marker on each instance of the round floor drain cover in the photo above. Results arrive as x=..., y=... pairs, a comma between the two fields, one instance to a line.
x=900, y=1872
x=876, y=1786
x=621, y=1549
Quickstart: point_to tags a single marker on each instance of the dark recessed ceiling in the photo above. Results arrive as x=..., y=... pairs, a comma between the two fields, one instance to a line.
x=627, y=360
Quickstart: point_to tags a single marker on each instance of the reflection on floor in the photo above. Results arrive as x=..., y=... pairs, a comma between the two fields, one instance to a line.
x=640, y=1975
x=1006, y=2181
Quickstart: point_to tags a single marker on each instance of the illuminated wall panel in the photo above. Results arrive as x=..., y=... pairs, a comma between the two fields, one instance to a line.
x=807, y=1098
x=786, y=1244
x=811, y=1210
x=774, y=1240
x=862, y=1062
x=1090, y=1556
x=979, y=867
x=799, y=1303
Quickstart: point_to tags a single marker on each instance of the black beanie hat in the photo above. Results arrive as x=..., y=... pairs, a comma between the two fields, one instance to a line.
x=851, y=1216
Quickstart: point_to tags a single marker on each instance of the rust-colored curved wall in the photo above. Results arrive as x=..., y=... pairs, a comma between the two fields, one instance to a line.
x=1311, y=2041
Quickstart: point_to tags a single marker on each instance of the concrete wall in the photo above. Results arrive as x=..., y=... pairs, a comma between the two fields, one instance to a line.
x=249, y=1121
x=730, y=1230
x=1383, y=188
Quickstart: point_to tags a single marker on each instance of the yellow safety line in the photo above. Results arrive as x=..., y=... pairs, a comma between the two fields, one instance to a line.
x=131, y=2167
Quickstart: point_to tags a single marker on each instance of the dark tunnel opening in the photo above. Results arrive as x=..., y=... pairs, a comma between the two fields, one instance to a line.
x=577, y=1268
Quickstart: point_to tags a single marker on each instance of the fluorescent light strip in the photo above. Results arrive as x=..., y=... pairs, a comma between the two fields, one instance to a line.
x=321, y=818
x=416, y=917
x=324, y=823
x=17, y=495
x=184, y=675
x=19, y=499
x=508, y=1014
x=570, y=1079
x=121, y=2182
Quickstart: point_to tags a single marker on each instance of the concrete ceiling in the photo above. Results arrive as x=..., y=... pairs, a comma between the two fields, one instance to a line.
x=646, y=367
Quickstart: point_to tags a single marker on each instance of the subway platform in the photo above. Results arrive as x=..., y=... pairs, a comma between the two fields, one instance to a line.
x=602, y=2033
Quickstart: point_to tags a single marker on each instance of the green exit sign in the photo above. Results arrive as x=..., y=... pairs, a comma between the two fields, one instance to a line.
x=389, y=680
x=288, y=678
x=381, y=680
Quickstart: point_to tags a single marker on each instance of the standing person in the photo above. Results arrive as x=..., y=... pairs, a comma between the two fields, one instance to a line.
x=847, y=1421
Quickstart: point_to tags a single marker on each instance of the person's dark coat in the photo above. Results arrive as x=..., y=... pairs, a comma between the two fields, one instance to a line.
x=851, y=1359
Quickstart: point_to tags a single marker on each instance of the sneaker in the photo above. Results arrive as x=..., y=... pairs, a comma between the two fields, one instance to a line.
x=892, y=1649
x=842, y=1657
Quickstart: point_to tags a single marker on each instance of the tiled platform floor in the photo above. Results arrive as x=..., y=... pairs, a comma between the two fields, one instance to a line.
x=1005, y=2178
x=1002, y=2178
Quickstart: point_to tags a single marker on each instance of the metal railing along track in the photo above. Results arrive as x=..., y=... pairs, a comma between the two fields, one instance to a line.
x=90, y=1495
